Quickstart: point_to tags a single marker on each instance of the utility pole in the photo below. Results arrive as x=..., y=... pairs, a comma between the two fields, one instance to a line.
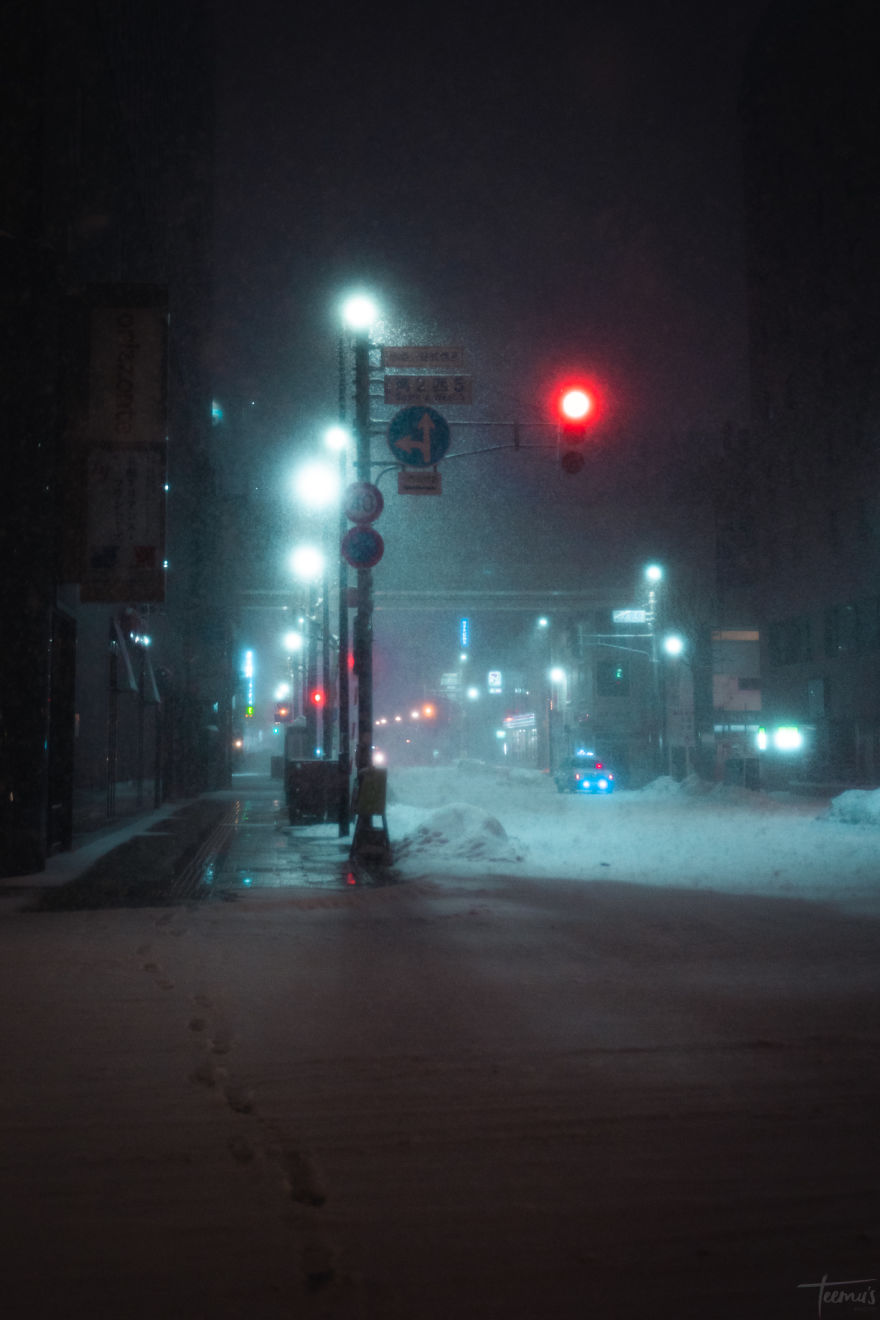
x=344, y=705
x=363, y=623
x=311, y=710
x=326, y=676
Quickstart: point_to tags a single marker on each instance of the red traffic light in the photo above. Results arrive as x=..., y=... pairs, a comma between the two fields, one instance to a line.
x=575, y=406
x=316, y=697
x=576, y=409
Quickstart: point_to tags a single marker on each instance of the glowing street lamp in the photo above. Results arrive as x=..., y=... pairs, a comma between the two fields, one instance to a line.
x=359, y=312
x=307, y=563
x=317, y=485
x=337, y=438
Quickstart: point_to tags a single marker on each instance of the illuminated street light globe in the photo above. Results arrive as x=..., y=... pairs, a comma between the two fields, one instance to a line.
x=359, y=311
x=654, y=573
x=337, y=437
x=307, y=563
x=673, y=644
x=317, y=485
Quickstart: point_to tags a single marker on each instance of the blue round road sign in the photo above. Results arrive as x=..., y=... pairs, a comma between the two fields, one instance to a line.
x=362, y=547
x=418, y=436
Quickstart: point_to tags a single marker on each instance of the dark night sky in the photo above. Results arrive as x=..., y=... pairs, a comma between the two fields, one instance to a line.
x=555, y=188
x=548, y=187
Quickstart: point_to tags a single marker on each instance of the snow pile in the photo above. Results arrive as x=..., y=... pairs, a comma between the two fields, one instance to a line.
x=693, y=787
x=857, y=806
x=462, y=831
x=468, y=820
x=666, y=786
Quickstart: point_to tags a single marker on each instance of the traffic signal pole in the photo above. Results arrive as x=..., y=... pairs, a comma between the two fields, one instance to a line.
x=344, y=819
x=363, y=623
x=311, y=710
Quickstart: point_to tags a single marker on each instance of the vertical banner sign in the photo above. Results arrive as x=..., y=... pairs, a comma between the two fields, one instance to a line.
x=125, y=467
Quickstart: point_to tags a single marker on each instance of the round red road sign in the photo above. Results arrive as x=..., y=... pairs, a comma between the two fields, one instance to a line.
x=362, y=547
x=363, y=502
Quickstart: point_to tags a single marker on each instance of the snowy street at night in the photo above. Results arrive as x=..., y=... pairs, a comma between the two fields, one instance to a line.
x=693, y=834
x=605, y=1056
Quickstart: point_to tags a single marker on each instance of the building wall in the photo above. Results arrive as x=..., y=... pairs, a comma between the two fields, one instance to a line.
x=105, y=177
x=811, y=132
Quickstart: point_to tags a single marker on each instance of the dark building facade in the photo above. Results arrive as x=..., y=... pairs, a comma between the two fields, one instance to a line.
x=105, y=211
x=800, y=525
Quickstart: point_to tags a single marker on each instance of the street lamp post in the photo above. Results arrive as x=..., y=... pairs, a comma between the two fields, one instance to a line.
x=546, y=662
x=337, y=438
x=326, y=675
x=557, y=677
x=359, y=314
x=674, y=647
x=293, y=645
x=308, y=565
x=653, y=578
x=311, y=667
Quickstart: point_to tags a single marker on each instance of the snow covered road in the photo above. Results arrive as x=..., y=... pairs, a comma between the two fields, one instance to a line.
x=486, y=1091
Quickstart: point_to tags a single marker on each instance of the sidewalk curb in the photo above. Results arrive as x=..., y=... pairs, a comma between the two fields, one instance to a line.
x=154, y=866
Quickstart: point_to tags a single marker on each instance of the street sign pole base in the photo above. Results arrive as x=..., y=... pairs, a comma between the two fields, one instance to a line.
x=369, y=843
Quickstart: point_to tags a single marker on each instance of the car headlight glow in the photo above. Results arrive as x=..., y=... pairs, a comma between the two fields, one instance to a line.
x=788, y=739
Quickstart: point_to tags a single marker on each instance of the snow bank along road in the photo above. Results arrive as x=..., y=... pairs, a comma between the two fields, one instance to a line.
x=484, y=1091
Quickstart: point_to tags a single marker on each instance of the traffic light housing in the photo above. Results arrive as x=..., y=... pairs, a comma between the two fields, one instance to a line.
x=576, y=414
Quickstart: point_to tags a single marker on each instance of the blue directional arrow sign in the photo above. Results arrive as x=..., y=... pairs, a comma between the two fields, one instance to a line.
x=418, y=436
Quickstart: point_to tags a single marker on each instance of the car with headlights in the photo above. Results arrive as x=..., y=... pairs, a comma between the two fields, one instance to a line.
x=584, y=773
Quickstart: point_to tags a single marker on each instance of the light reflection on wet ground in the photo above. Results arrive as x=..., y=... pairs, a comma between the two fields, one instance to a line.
x=256, y=848
x=218, y=847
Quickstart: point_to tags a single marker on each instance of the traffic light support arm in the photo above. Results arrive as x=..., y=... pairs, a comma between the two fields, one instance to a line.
x=379, y=428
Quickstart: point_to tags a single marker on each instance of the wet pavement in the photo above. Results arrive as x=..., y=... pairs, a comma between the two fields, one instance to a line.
x=216, y=847
x=255, y=847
